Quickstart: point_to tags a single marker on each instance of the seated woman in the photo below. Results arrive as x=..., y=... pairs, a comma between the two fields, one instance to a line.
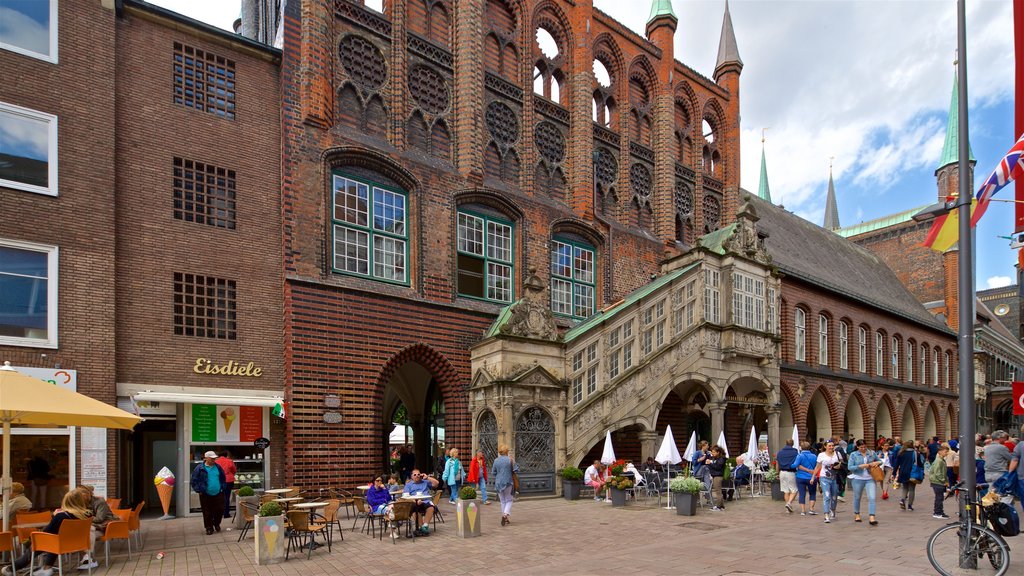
x=75, y=506
x=378, y=496
x=18, y=502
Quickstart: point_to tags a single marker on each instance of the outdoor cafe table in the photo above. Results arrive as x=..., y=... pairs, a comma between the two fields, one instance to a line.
x=311, y=506
x=288, y=501
x=364, y=487
x=278, y=491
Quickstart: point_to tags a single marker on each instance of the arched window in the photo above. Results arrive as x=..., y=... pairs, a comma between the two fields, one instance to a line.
x=822, y=339
x=935, y=366
x=800, y=335
x=924, y=365
x=947, y=371
x=862, y=350
x=895, y=348
x=573, y=278
x=844, y=345
x=547, y=76
x=879, y=354
x=910, y=361
x=603, y=100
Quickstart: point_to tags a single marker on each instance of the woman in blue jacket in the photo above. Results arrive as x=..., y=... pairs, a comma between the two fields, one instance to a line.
x=907, y=457
x=805, y=463
x=453, y=474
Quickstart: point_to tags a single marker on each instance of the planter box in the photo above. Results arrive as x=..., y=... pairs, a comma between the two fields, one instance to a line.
x=468, y=520
x=270, y=539
x=777, y=491
x=571, y=489
x=686, y=503
x=618, y=497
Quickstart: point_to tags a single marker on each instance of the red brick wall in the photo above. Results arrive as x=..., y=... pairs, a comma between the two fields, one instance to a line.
x=900, y=247
x=81, y=219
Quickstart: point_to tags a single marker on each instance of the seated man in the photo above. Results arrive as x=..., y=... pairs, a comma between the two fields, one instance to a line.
x=424, y=509
x=101, y=516
x=593, y=477
x=17, y=503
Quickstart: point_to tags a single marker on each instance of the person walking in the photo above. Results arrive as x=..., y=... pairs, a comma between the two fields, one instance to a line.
x=229, y=468
x=906, y=459
x=997, y=457
x=825, y=474
x=861, y=462
x=883, y=454
x=785, y=464
x=478, y=475
x=208, y=481
x=502, y=468
x=406, y=462
x=952, y=464
x=805, y=463
x=937, y=478
x=454, y=474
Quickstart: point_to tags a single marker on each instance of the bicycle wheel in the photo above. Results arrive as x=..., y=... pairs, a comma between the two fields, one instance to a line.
x=986, y=554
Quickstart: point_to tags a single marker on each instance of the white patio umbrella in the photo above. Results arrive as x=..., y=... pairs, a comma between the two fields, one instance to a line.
x=30, y=401
x=668, y=454
x=796, y=437
x=691, y=447
x=608, y=456
x=752, y=449
x=722, y=444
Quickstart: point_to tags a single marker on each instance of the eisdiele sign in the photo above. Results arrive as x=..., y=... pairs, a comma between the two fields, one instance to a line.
x=210, y=367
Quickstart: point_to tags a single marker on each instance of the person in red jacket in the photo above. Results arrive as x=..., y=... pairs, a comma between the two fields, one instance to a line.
x=228, y=465
x=478, y=475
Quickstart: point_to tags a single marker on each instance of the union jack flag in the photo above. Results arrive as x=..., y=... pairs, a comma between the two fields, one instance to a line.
x=1009, y=168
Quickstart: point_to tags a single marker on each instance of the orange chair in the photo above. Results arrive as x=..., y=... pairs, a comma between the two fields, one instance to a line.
x=72, y=537
x=116, y=530
x=31, y=521
x=114, y=503
x=7, y=545
x=134, y=525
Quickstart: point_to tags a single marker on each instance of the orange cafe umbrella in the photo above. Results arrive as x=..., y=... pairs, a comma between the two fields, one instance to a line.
x=29, y=401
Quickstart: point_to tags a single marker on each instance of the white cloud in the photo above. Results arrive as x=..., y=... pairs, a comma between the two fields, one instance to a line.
x=998, y=282
x=19, y=30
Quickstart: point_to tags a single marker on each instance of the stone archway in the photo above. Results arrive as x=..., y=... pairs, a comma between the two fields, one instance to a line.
x=931, y=422
x=746, y=405
x=819, y=417
x=951, y=431
x=687, y=409
x=908, y=428
x=883, y=418
x=853, y=418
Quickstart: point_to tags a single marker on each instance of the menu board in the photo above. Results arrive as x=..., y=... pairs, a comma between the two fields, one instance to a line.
x=223, y=423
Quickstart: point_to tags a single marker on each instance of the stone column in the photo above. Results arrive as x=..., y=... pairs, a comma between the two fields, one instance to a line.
x=775, y=441
x=648, y=444
x=717, y=420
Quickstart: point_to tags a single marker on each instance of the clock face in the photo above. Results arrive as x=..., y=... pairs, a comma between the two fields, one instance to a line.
x=1001, y=310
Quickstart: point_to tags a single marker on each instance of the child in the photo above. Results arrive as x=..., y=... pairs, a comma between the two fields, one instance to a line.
x=937, y=478
x=393, y=485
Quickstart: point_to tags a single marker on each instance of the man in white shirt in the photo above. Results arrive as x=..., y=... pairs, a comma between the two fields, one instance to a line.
x=592, y=477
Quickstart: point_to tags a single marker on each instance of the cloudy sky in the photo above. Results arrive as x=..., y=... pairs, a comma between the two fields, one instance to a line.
x=865, y=82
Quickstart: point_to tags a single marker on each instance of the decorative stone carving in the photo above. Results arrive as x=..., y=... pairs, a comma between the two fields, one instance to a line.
x=839, y=392
x=745, y=239
x=801, y=389
x=530, y=317
x=712, y=339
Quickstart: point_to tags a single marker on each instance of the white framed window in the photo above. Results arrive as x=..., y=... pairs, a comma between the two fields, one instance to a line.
x=924, y=365
x=747, y=301
x=946, y=381
x=822, y=340
x=910, y=361
x=711, y=296
x=800, y=334
x=862, y=348
x=370, y=232
x=935, y=367
x=573, y=279
x=28, y=148
x=29, y=27
x=895, y=358
x=592, y=370
x=844, y=345
x=773, y=320
x=879, y=354
x=28, y=294
x=484, y=257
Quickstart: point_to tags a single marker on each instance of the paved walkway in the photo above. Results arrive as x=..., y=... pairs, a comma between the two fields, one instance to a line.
x=553, y=536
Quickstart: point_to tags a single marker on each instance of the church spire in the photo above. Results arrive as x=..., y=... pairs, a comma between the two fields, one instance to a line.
x=661, y=8
x=951, y=149
x=762, y=190
x=728, y=53
x=831, y=208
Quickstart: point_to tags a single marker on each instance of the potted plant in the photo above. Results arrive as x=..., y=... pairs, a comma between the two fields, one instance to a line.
x=467, y=513
x=687, y=490
x=572, y=481
x=243, y=494
x=270, y=534
x=618, y=486
x=771, y=476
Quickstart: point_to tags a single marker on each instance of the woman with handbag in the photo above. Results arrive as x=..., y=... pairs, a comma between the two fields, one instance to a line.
x=502, y=470
x=883, y=454
x=865, y=471
x=453, y=474
x=908, y=465
x=825, y=475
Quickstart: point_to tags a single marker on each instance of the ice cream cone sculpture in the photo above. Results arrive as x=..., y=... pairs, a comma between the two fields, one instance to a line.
x=228, y=416
x=271, y=532
x=164, y=481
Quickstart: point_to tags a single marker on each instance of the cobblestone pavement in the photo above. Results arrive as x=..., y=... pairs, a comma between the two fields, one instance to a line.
x=553, y=536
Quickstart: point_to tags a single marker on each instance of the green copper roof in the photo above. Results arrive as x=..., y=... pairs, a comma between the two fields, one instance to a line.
x=661, y=8
x=878, y=223
x=637, y=295
x=762, y=190
x=951, y=149
x=502, y=319
x=714, y=241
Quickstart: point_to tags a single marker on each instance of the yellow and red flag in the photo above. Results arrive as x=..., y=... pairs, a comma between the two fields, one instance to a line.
x=945, y=230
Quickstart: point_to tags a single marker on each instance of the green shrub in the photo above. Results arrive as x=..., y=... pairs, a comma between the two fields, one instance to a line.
x=771, y=475
x=687, y=484
x=467, y=493
x=620, y=482
x=571, y=473
x=246, y=491
x=270, y=509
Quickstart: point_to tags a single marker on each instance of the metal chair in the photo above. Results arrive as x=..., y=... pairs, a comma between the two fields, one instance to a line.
x=331, y=517
x=249, y=512
x=401, y=514
x=301, y=528
x=437, y=509
x=369, y=518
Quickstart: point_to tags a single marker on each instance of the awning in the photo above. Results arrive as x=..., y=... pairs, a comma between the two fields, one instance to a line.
x=266, y=401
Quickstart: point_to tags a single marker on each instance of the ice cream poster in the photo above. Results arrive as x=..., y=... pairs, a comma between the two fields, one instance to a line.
x=222, y=423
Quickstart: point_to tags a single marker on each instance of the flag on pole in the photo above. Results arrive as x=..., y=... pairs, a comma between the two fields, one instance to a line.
x=280, y=410
x=1009, y=168
x=945, y=230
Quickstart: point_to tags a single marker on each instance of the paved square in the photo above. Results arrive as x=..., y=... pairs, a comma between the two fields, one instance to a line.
x=553, y=536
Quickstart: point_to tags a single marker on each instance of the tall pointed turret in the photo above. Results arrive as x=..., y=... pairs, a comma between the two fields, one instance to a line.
x=762, y=190
x=831, y=208
x=951, y=149
x=728, y=53
x=661, y=8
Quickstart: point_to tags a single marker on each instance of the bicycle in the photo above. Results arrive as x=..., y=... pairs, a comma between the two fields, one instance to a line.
x=982, y=553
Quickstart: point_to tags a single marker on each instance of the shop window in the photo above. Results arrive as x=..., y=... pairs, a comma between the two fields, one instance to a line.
x=370, y=230
x=204, y=81
x=204, y=194
x=484, y=256
x=205, y=306
x=42, y=462
x=28, y=294
x=28, y=149
x=29, y=27
x=572, y=279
